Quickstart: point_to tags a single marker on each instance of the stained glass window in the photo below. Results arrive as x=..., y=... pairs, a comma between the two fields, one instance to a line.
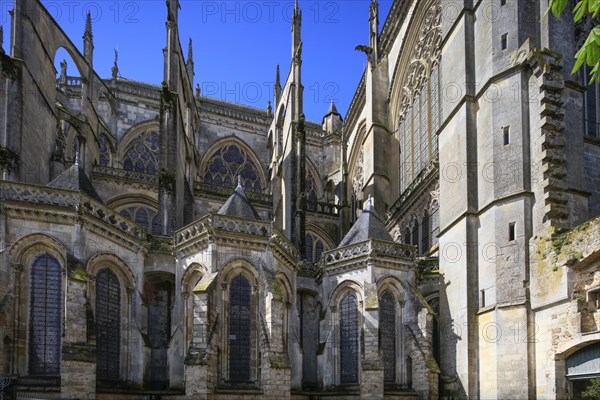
x=420, y=113
x=240, y=327
x=314, y=247
x=104, y=150
x=387, y=329
x=146, y=218
x=308, y=242
x=349, y=339
x=108, y=325
x=229, y=162
x=141, y=217
x=156, y=228
x=45, y=315
x=142, y=153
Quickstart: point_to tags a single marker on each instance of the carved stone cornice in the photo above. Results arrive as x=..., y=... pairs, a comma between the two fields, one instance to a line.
x=372, y=251
x=41, y=202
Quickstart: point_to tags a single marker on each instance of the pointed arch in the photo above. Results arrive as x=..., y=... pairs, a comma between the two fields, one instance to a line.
x=139, y=149
x=229, y=158
x=141, y=209
x=240, y=363
x=314, y=185
x=28, y=246
x=391, y=294
x=45, y=316
x=316, y=243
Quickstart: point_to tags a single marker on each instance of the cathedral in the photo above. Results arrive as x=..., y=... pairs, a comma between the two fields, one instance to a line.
x=441, y=240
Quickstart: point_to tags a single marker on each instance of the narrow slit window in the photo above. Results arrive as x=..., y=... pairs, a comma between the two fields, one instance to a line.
x=482, y=297
x=506, y=134
x=511, y=231
x=504, y=41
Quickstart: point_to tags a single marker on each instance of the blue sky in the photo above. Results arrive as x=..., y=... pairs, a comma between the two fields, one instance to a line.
x=236, y=44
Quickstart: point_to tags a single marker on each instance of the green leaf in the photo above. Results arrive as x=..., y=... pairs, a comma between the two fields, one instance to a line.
x=558, y=6
x=580, y=10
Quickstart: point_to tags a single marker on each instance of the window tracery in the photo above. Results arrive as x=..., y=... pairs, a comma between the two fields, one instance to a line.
x=104, y=150
x=420, y=105
x=314, y=246
x=310, y=185
x=229, y=162
x=142, y=153
x=146, y=218
x=358, y=180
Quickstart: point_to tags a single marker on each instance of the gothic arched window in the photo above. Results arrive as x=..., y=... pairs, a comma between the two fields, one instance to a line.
x=144, y=217
x=229, y=162
x=349, y=339
x=240, y=328
x=311, y=186
x=104, y=151
x=108, y=325
x=141, y=217
x=45, y=316
x=142, y=153
x=387, y=335
x=314, y=247
x=420, y=113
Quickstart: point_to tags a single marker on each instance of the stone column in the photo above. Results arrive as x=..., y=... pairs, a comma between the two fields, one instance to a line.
x=371, y=374
x=78, y=363
x=196, y=365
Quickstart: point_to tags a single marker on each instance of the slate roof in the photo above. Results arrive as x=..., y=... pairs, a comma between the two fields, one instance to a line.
x=238, y=205
x=367, y=226
x=332, y=110
x=74, y=178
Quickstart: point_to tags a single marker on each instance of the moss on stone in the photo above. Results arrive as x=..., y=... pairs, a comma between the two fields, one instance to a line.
x=8, y=159
x=205, y=283
x=8, y=66
x=371, y=301
x=432, y=365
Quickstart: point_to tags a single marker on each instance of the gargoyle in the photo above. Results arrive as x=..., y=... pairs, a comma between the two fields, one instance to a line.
x=365, y=49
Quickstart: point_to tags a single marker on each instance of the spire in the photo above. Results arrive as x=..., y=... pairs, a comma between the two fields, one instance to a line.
x=332, y=121
x=368, y=226
x=190, y=52
x=88, y=40
x=238, y=205
x=332, y=109
x=88, y=26
x=189, y=66
x=374, y=31
x=296, y=32
x=296, y=8
x=115, y=68
x=277, y=93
